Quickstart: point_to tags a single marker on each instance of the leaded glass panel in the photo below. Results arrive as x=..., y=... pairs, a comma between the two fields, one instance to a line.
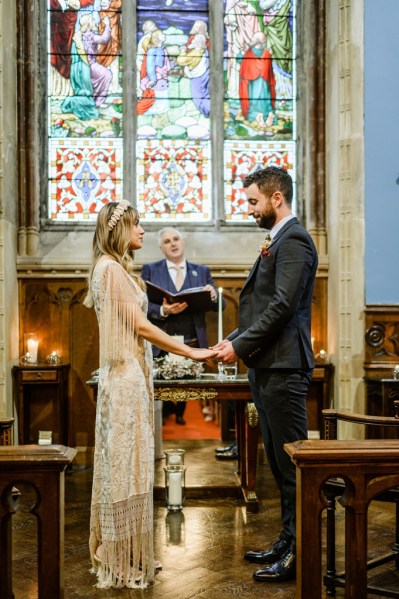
x=172, y=115
x=84, y=175
x=173, y=107
x=84, y=102
x=259, y=69
x=260, y=98
x=174, y=180
x=242, y=158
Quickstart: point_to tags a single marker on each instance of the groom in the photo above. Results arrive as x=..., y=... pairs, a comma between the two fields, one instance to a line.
x=273, y=339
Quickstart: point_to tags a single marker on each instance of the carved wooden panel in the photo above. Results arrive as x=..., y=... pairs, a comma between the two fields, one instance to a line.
x=53, y=309
x=381, y=355
x=381, y=338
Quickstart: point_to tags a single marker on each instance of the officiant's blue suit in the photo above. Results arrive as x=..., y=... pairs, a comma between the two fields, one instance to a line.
x=192, y=326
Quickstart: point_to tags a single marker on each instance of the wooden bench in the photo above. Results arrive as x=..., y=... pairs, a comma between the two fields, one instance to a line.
x=368, y=468
x=42, y=468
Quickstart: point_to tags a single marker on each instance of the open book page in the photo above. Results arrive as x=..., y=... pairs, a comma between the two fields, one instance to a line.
x=197, y=299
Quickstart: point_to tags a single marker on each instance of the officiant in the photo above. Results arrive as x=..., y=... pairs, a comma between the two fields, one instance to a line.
x=174, y=273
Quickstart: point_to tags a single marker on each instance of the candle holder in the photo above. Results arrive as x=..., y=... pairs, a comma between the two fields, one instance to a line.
x=174, y=457
x=175, y=487
x=322, y=356
x=54, y=359
x=31, y=349
x=25, y=360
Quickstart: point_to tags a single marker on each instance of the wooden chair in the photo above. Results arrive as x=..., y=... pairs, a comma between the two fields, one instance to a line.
x=334, y=488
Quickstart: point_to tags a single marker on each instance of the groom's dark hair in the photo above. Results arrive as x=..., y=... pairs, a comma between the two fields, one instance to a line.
x=270, y=180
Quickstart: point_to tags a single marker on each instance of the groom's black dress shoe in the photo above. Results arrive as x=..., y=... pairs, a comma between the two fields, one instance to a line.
x=228, y=455
x=284, y=569
x=270, y=556
x=226, y=448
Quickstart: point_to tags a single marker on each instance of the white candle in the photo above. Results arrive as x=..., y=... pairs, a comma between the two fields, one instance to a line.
x=175, y=459
x=175, y=491
x=33, y=346
x=220, y=308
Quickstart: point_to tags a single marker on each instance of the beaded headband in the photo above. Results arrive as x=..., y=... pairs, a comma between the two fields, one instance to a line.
x=122, y=206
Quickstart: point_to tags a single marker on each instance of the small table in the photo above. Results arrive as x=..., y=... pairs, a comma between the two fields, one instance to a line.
x=209, y=386
x=41, y=399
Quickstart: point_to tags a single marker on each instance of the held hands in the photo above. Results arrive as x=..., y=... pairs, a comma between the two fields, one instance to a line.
x=170, y=309
x=202, y=355
x=225, y=352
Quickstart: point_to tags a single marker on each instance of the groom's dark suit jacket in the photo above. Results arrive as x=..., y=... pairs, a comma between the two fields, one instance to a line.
x=275, y=304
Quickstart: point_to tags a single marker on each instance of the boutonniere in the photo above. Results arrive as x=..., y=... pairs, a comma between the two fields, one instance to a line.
x=194, y=273
x=264, y=248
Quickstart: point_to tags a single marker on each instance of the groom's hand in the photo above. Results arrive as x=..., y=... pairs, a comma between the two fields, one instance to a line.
x=225, y=352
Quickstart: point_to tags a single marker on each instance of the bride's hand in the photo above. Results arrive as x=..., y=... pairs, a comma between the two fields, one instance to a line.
x=202, y=355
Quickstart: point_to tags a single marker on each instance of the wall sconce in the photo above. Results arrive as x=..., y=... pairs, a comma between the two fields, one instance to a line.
x=175, y=487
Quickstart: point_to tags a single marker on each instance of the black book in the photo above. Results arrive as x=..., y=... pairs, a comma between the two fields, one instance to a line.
x=197, y=299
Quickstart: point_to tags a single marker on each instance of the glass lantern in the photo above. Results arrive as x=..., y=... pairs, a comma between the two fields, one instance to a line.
x=175, y=487
x=54, y=359
x=31, y=343
x=174, y=457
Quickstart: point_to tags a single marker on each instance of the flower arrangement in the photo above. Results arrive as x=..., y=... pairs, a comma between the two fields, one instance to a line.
x=169, y=368
x=264, y=248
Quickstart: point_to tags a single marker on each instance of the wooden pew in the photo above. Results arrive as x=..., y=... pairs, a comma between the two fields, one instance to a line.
x=42, y=468
x=368, y=468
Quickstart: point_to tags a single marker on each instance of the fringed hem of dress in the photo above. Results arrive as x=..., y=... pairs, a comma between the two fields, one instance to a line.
x=124, y=531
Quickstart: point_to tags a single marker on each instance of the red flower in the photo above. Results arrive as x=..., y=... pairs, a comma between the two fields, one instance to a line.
x=265, y=252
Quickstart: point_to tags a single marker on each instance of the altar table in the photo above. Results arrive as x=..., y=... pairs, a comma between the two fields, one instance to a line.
x=209, y=386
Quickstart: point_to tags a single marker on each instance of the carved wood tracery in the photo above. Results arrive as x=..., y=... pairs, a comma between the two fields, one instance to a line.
x=53, y=309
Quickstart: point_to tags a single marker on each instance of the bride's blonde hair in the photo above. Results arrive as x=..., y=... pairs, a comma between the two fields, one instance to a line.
x=113, y=242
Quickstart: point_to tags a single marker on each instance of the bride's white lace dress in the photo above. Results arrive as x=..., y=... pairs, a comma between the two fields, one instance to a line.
x=121, y=523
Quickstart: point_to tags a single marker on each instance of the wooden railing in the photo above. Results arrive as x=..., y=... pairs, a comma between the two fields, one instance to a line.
x=368, y=468
x=42, y=468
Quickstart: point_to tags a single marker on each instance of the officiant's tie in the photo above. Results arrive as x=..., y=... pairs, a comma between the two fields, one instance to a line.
x=179, y=277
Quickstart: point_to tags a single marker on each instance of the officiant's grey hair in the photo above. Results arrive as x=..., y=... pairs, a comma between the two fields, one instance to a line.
x=161, y=233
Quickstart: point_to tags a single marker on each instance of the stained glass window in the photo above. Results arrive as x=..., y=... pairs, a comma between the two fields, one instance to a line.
x=169, y=132
x=84, y=107
x=259, y=120
x=173, y=110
